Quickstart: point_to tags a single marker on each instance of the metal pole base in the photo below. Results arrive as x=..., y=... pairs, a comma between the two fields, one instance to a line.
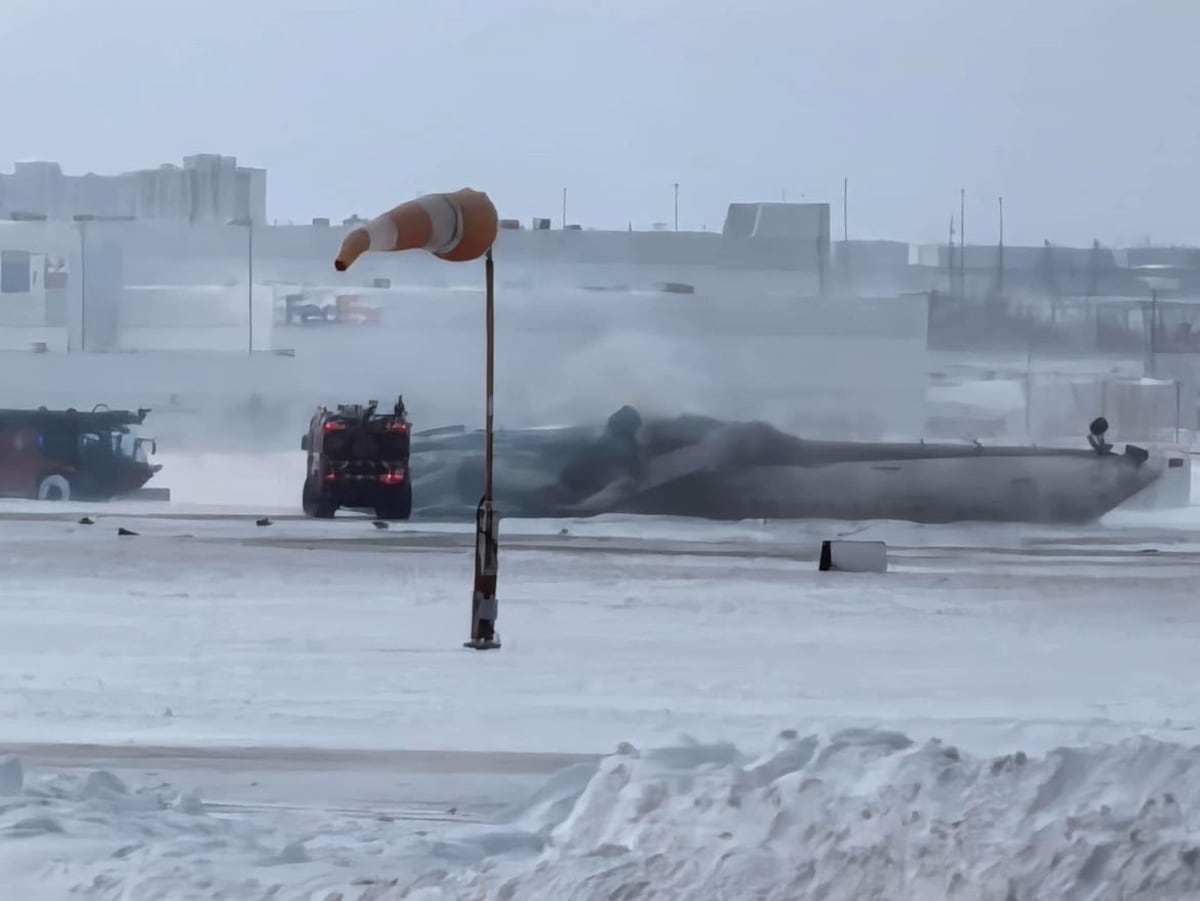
x=487, y=563
x=481, y=645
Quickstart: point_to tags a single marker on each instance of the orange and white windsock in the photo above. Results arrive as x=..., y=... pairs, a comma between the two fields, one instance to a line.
x=458, y=227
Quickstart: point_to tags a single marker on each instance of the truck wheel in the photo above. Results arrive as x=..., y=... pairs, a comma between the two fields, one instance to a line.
x=314, y=505
x=399, y=506
x=54, y=488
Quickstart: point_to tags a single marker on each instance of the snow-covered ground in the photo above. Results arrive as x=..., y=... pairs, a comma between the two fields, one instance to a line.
x=214, y=709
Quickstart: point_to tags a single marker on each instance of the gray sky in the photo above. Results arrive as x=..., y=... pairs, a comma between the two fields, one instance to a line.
x=1084, y=114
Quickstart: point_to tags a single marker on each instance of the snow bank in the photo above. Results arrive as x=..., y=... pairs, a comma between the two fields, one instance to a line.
x=860, y=815
x=92, y=836
x=48, y=824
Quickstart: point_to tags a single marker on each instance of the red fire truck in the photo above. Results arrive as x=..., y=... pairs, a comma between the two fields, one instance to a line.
x=59, y=455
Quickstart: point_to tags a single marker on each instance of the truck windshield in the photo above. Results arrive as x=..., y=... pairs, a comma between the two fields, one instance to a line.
x=131, y=446
x=119, y=444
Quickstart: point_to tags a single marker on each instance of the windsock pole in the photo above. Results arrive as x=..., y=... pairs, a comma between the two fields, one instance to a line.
x=487, y=534
x=457, y=227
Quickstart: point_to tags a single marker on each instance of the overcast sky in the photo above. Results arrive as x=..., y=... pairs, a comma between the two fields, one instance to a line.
x=1084, y=114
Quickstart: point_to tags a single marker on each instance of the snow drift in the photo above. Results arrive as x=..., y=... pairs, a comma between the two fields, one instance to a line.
x=860, y=815
x=857, y=815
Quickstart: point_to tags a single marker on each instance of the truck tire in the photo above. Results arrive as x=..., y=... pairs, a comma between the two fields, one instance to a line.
x=314, y=506
x=54, y=488
x=398, y=506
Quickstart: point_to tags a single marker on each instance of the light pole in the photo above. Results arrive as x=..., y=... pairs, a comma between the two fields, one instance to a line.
x=1000, y=253
x=962, y=242
x=248, y=223
x=846, y=229
x=83, y=219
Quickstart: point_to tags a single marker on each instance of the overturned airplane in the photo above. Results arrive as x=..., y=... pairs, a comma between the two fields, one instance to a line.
x=697, y=466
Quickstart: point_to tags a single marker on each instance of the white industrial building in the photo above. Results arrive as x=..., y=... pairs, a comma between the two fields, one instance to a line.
x=207, y=188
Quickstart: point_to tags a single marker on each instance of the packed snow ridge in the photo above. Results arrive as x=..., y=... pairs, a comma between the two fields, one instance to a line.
x=857, y=815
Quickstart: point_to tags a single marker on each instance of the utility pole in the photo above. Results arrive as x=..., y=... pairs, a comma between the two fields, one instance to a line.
x=950, y=260
x=1093, y=284
x=83, y=220
x=1000, y=255
x=846, y=228
x=962, y=242
x=676, y=206
x=250, y=283
x=248, y=224
x=564, y=219
x=1152, y=370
